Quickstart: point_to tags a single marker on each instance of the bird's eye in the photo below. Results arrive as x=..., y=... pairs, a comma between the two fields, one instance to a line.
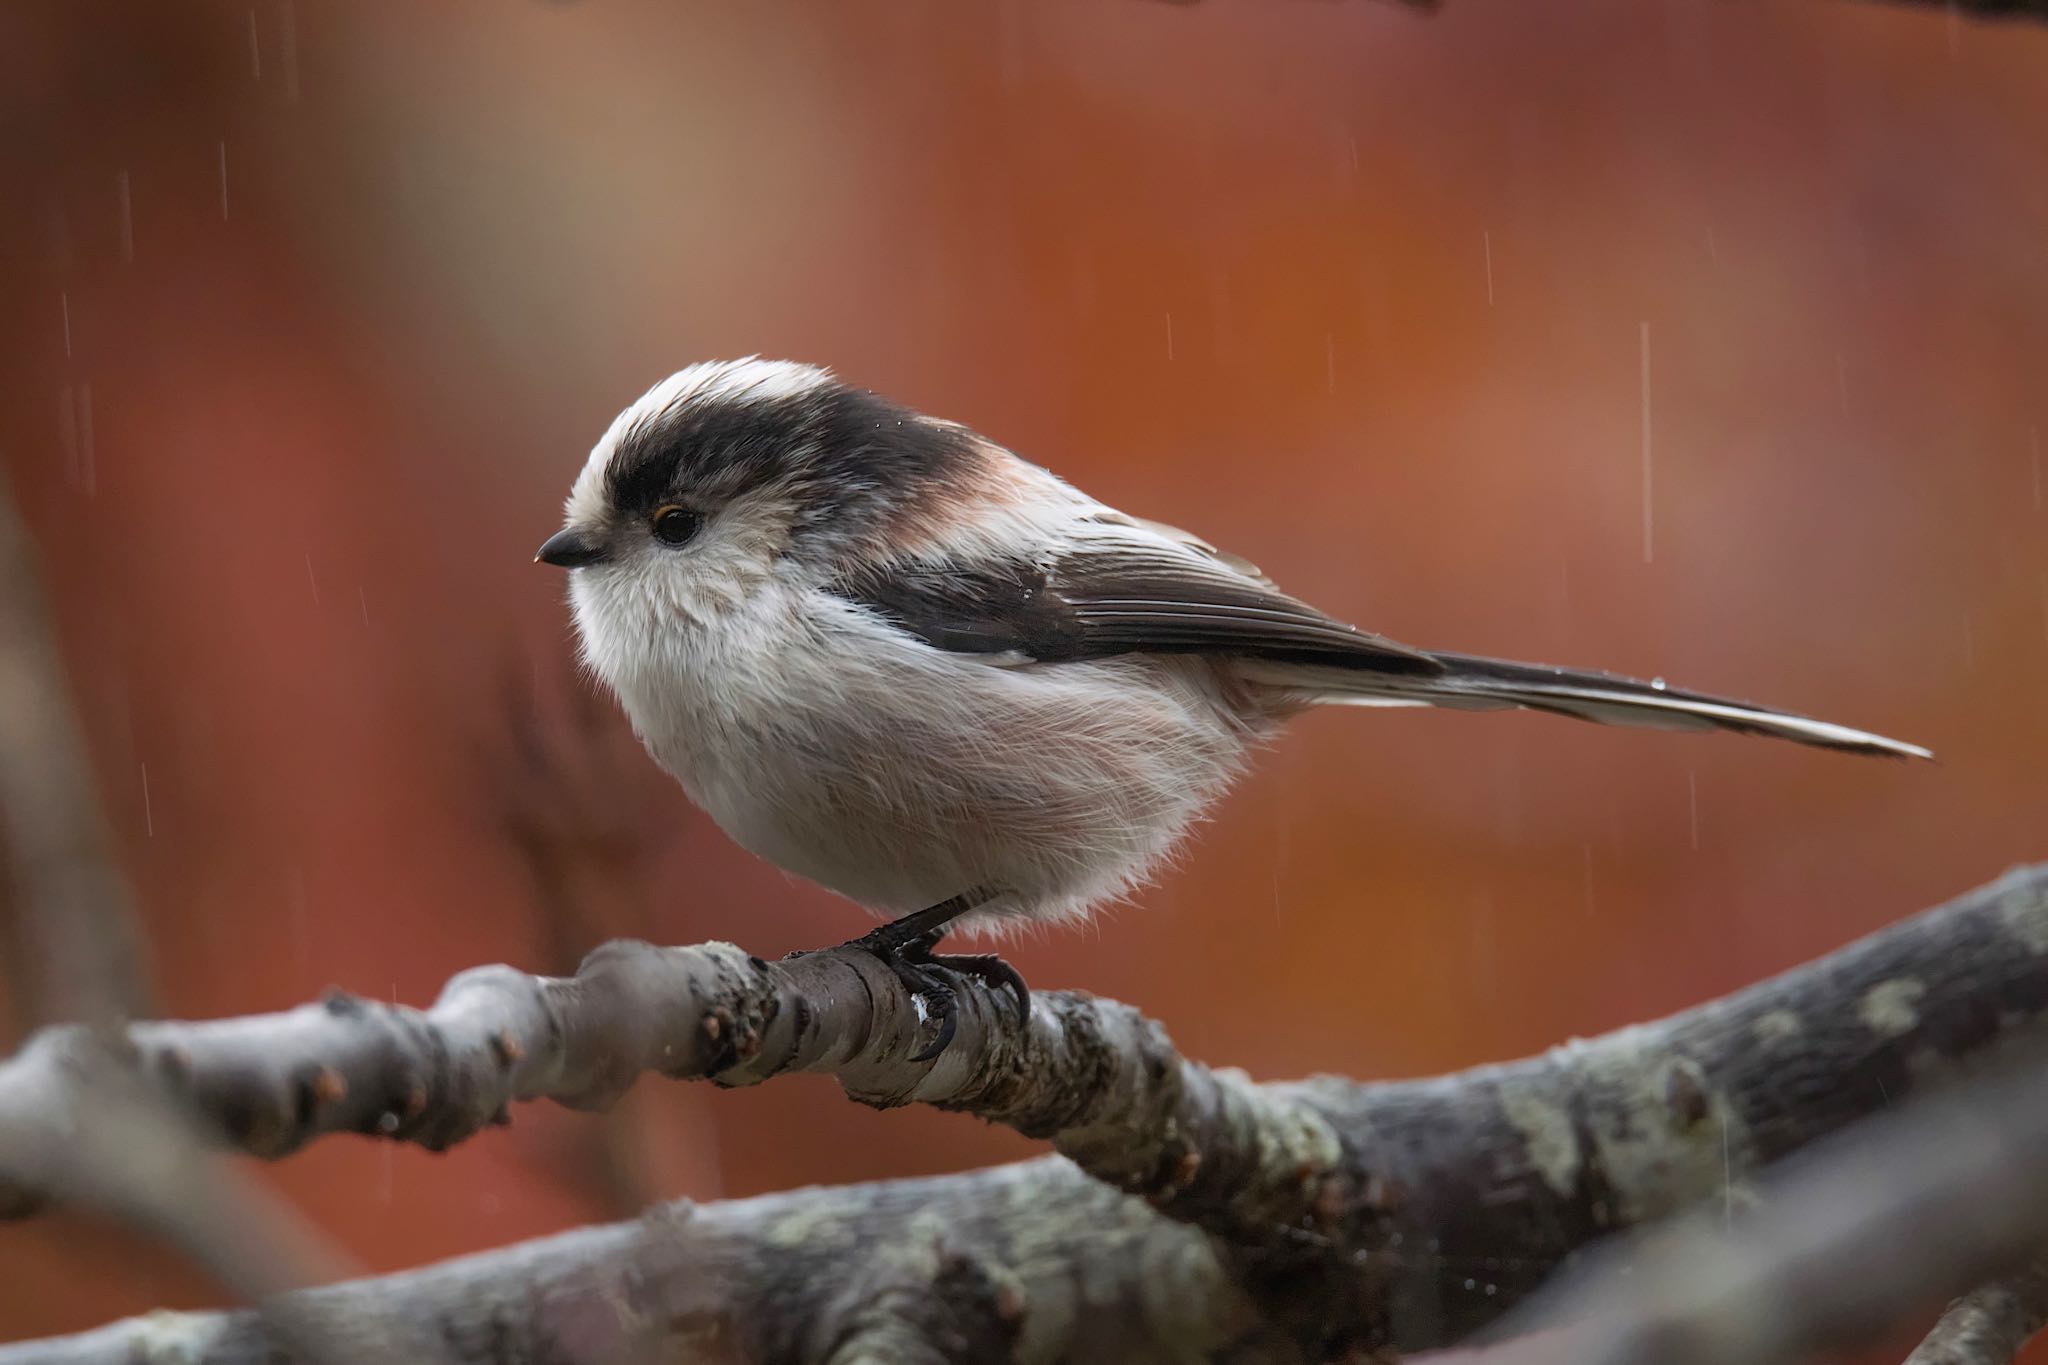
x=676, y=525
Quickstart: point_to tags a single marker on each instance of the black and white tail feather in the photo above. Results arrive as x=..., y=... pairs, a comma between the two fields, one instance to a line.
x=1470, y=682
x=1115, y=584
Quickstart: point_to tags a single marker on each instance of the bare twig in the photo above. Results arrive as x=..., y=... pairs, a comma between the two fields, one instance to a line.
x=76, y=915
x=1990, y=1324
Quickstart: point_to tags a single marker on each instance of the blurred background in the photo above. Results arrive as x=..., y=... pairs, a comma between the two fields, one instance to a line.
x=1683, y=338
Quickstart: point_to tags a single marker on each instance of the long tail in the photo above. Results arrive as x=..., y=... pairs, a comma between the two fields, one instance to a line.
x=1469, y=682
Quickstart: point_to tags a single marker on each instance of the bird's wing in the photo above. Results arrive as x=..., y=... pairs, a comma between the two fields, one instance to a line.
x=1187, y=540
x=1120, y=586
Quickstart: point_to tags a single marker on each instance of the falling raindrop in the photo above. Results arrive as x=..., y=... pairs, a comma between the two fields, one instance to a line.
x=223, y=180
x=64, y=307
x=1169, y=336
x=363, y=601
x=148, y=814
x=312, y=579
x=1486, y=241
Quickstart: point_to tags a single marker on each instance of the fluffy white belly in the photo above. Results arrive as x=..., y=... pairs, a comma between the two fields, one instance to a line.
x=899, y=775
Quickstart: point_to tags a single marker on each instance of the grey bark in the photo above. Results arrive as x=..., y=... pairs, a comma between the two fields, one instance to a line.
x=1991, y=1324
x=1852, y=1237
x=1321, y=1217
x=1078, y=1271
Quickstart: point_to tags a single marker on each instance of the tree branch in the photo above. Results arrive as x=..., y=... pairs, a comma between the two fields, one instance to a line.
x=1894, y=1216
x=1990, y=1324
x=1347, y=1216
x=1097, y=1077
x=1985, y=9
x=925, y=1305
x=1091, y=1276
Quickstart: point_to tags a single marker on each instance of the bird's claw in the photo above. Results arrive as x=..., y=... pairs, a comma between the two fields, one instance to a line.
x=923, y=974
x=928, y=984
x=992, y=972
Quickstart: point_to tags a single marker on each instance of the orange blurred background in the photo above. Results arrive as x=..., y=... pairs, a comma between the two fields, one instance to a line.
x=316, y=307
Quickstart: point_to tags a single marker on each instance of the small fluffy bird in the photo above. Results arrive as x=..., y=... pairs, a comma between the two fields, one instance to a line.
x=890, y=656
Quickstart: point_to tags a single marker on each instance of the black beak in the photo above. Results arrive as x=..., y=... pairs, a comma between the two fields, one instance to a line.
x=570, y=548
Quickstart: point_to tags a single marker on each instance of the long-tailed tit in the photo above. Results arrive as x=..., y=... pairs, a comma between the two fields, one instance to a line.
x=888, y=655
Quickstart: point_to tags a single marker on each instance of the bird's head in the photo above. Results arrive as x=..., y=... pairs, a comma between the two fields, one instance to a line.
x=728, y=474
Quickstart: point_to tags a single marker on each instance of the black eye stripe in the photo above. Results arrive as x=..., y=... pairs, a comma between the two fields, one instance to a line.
x=676, y=525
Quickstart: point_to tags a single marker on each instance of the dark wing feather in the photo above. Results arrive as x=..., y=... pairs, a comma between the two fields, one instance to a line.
x=1161, y=594
x=1099, y=599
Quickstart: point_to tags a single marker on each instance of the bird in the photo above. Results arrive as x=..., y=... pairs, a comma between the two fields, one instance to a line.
x=892, y=657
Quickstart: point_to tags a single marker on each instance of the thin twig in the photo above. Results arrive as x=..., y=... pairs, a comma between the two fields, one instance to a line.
x=76, y=916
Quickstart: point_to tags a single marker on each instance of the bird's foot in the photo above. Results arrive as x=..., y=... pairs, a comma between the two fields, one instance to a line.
x=992, y=972
x=923, y=973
